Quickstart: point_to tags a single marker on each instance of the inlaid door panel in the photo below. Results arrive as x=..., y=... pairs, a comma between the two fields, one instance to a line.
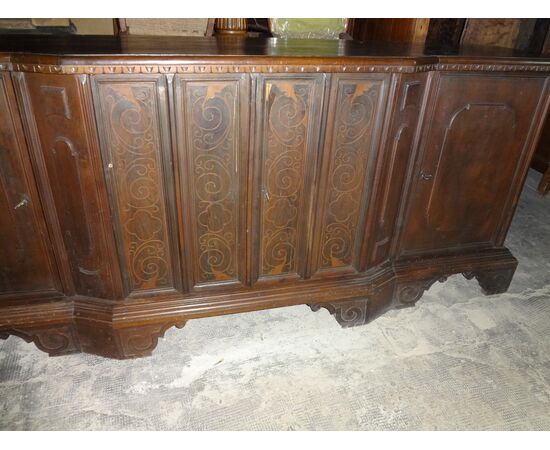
x=288, y=124
x=212, y=126
x=353, y=130
x=25, y=262
x=67, y=157
x=471, y=156
x=132, y=114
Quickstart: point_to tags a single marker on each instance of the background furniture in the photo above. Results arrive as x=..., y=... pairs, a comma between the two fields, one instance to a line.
x=524, y=35
x=149, y=181
x=393, y=30
x=541, y=161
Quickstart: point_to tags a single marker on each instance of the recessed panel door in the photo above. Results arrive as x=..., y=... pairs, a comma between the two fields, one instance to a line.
x=26, y=264
x=472, y=153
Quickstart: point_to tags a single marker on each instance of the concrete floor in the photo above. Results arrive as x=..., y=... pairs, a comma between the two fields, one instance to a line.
x=459, y=360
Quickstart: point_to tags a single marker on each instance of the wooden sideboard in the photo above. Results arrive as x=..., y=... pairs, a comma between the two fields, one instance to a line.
x=148, y=181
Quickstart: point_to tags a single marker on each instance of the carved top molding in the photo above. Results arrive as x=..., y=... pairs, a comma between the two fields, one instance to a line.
x=94, y=69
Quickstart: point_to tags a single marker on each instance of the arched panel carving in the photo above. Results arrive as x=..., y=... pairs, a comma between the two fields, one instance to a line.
x=65, y=147
x=25, y=264
x=469, y=157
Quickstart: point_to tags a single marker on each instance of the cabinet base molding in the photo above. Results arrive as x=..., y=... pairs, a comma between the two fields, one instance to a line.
x=132, y=328
x=55, y=340
x=348, y=313
x=122, y=343
x=359, y=311
x=493, y=281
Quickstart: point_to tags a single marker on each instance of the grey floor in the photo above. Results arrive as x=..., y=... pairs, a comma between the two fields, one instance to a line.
x=459, y=360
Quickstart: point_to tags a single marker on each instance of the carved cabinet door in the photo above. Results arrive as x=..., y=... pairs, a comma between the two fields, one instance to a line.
x=354, y=122
x=287, y=132
x=212, y=132
x=475, y=146
x=25, y=261
x=63, y=139
x=133, y=119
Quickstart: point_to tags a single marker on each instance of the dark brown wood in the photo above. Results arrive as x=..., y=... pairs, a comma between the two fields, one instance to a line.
x=383, y=30
x=352, y=136
x=444, y=33
x=546, y=45
x=25, y=258
x=403, y=119
x=288, y=114
x=360, y=311
x=493, y=281
x=119, y=48
x=222, y=176
x=541, y=160
x=478, y=124
x=212, y=127
x=133, y=117
x=65, y=151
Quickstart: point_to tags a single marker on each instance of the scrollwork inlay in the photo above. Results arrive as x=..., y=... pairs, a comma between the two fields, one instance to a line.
x=129, y=113
x=355, y=114
x=288, y=108
x=213, y=147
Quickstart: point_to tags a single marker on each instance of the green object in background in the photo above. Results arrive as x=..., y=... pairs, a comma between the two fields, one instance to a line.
x=308, y=28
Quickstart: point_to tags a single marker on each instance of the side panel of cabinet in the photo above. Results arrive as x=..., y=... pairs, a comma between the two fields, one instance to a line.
x=471, y=161
x=26, y=264
x=132, y=115
x=356, y=111
x=64, y=143
x=288, y=125
x=398, y=149
x=212, y=128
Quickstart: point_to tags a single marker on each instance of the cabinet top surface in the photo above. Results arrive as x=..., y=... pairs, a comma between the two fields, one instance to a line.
x=68, y=48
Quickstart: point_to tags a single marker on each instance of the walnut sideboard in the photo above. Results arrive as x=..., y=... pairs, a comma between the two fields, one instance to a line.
x=148, y=181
